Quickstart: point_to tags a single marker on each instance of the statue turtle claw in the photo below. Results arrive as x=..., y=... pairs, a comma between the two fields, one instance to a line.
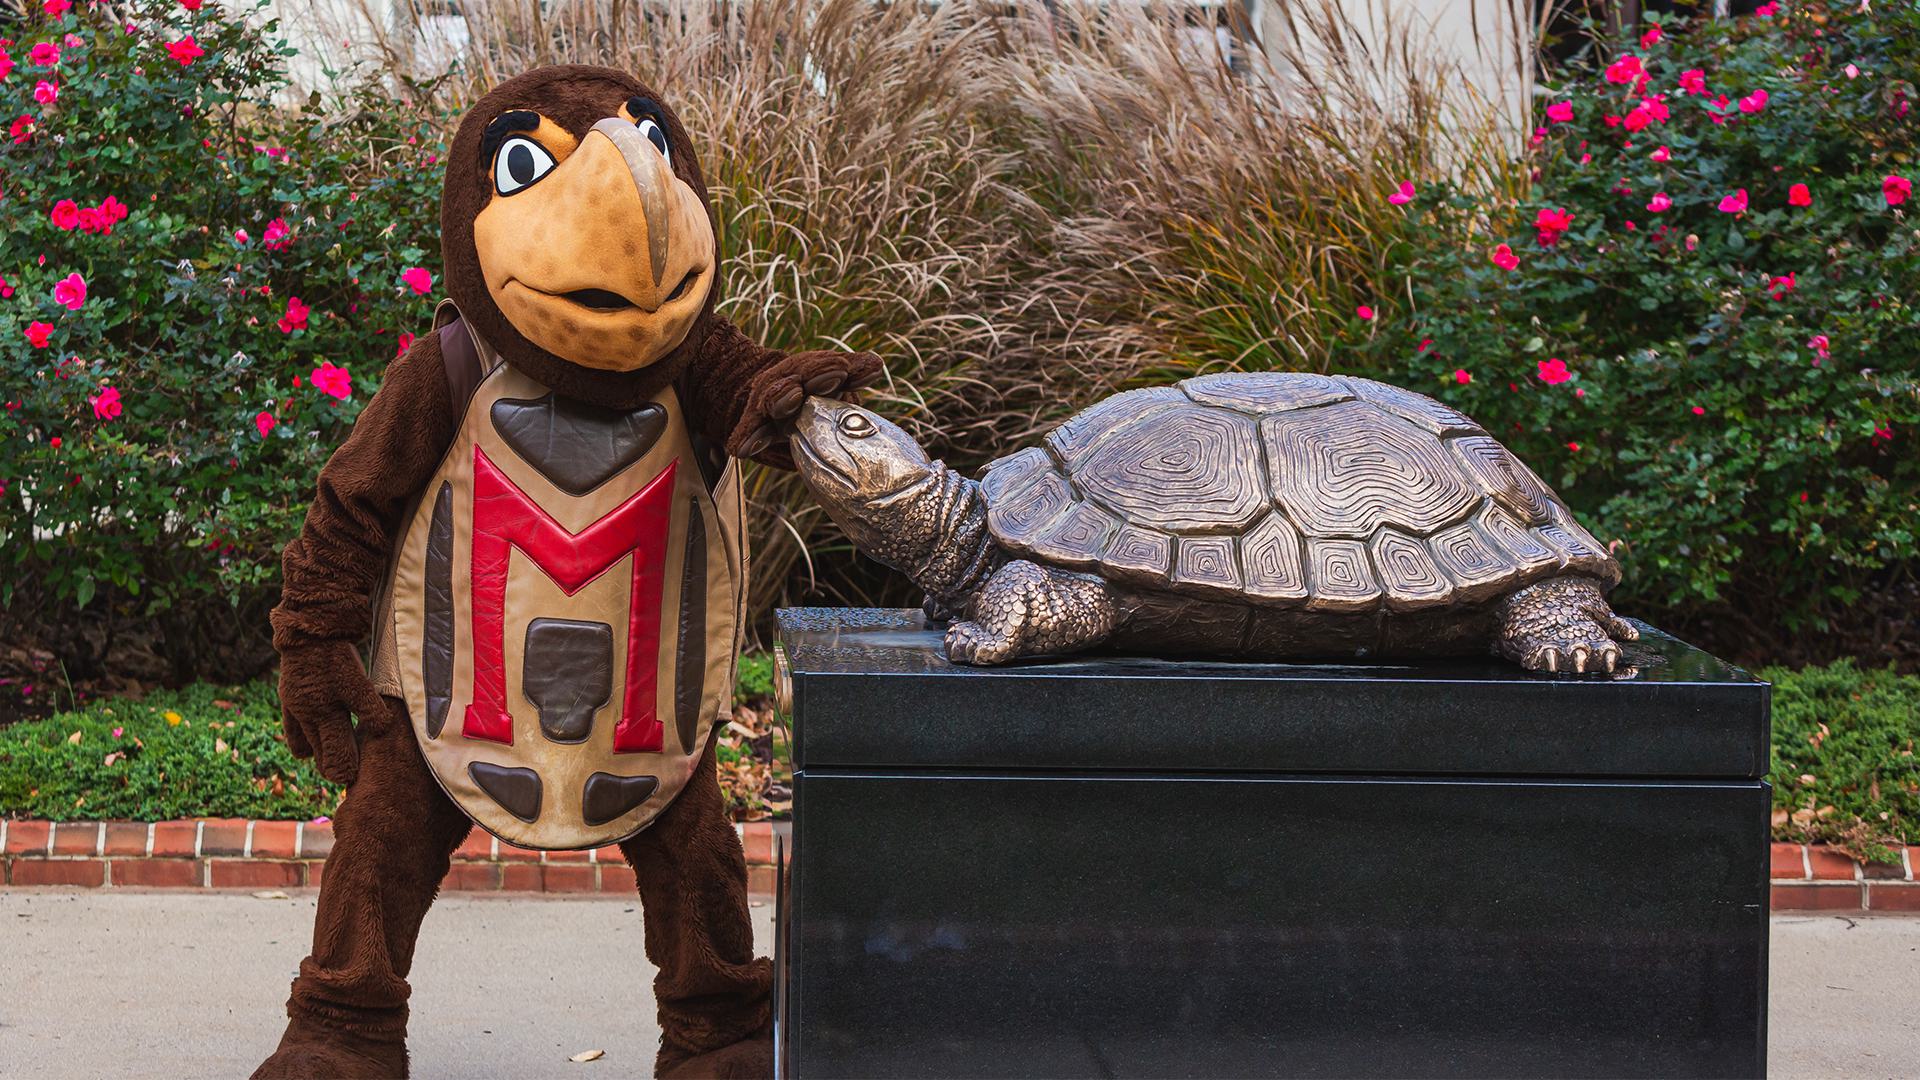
x=1270, y=515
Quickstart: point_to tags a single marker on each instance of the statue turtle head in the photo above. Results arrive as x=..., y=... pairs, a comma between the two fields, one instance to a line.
x=864, y=470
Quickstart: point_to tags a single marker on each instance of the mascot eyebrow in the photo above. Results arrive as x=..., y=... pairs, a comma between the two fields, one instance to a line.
x=520, y=120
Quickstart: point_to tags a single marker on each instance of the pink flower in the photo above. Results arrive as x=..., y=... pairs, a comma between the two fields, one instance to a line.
x=1662, y=154
x=92, y=220
x=277, y=236
x=1693, y=81
x=332, y=381
x=46, y=92
x=1659, y=203
x=1651, y=38
x=1504, y=258
x=1626, y=69
x=190, y=5
x=113, y=208
x=6, y=288
x=54, y=442
x=1365, y=313
x=37, y=334
x=6, y=64
x=240, y=236
x=1820, y=345
x=1754, y=102
x=1554, y=371
x=1896, y=189
x=1699, y=411
x=1781, y=286
x=117, y=732
x=65, y=214
x=21, y=129
x=296, y=316
x=1551, y=223
x=1401, y=197
x=1798, y=195
x=1735, y=203
x=70, y=292
x=1574, y=447
x=1853, y=71
x=57, y=8
x=406, y=342
x=45, y=54
x=418, y=279
x=1462, y=376
x=1560, y=112
x=1767, y=10
x=72, y=41
x=185, y=51
x=106, y=403
x=263, y=422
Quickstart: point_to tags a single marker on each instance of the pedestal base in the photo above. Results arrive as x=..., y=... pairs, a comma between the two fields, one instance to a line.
x=1184, y=904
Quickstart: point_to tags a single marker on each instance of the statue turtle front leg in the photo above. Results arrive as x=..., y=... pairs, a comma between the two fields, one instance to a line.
x=1025, y=609
x=1561, y=624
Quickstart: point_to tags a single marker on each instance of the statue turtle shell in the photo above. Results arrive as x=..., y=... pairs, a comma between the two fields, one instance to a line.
x=1288, y=490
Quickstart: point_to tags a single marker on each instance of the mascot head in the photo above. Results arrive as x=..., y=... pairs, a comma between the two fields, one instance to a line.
x=576, y=232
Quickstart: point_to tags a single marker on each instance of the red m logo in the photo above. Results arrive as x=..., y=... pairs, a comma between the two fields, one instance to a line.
x=504, y=518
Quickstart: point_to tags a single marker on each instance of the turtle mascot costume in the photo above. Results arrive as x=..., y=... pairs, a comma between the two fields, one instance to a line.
x=535, y=524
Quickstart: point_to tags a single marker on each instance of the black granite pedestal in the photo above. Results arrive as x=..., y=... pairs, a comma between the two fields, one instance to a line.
x=1126, y=867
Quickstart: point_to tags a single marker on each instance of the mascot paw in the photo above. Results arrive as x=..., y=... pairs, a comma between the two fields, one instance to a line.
x=748, y=1059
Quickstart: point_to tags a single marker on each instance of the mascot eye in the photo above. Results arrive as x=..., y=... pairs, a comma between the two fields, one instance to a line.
x=856, y=426
x=656, y=135
x=520, y=162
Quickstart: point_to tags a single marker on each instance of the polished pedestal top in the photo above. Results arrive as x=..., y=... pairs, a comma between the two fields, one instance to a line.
x=879, y=692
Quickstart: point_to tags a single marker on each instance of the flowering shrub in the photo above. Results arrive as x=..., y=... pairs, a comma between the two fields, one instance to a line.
x=1700, y=325
x=200, y=291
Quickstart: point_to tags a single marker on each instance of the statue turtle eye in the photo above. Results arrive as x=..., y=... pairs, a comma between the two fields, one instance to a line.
x=519, y=163
x=856, y=426
x=656, y=135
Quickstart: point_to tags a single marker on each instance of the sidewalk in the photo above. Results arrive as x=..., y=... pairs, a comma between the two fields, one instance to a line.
x=170, y=984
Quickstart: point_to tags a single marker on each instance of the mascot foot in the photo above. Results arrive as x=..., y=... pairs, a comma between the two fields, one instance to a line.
x=748, y=1059
x=312, y=1049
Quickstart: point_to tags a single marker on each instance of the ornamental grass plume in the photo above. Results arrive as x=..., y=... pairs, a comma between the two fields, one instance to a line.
x=1021, y=207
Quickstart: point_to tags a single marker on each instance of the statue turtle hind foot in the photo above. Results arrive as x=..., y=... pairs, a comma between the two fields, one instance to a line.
x=1267, y=515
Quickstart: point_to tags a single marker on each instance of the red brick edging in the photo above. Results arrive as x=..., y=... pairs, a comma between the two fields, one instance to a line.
x=230, y=853
x=1814, y=877
x=233, y=853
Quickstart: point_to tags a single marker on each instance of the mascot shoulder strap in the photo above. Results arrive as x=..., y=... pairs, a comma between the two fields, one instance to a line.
x=468, y=360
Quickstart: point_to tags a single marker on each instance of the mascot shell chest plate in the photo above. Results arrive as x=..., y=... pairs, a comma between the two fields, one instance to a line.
x=563, y=613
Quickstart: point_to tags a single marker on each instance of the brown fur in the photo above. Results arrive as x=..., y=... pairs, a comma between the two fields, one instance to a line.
x=395, y=830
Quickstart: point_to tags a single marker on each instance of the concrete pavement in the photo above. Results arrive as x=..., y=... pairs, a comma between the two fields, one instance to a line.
x=128, y=983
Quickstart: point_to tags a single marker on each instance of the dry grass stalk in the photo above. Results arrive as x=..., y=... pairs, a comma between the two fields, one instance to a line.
x=1022, y=207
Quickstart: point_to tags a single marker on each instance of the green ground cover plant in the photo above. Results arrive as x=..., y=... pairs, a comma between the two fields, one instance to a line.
x=218, y=751
x=1844, y=765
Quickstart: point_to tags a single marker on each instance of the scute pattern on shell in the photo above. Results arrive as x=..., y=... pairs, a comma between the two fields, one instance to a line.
x=1286, y=490
x=1346, y=469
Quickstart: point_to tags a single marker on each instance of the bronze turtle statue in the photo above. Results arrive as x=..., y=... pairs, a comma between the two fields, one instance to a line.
x=1253, y=515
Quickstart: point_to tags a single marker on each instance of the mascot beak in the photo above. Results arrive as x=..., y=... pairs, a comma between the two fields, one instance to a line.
x=652, y=178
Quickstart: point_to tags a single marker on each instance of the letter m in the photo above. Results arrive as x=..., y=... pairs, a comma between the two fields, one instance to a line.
x=505, y=520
